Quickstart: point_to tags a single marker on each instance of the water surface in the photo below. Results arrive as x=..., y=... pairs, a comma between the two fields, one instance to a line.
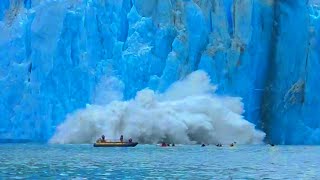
x=32, y=161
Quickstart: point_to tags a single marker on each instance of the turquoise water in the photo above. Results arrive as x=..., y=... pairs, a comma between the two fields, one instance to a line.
x=35, y=161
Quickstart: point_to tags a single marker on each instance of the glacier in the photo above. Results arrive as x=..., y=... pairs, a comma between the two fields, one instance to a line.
x=54, y=54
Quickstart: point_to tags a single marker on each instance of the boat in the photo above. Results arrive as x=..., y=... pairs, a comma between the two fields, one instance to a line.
x=115, y=144
x=102, y=142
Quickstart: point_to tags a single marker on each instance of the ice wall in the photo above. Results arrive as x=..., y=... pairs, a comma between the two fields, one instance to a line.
x=53, y=54
x=291, y=100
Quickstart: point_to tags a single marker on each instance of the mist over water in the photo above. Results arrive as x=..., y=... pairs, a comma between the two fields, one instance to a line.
x=188, y=112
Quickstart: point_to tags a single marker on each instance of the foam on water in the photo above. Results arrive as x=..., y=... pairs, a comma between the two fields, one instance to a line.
x=188, y=112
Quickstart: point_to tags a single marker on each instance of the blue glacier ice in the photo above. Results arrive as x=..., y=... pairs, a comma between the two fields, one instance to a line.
x=55, y=54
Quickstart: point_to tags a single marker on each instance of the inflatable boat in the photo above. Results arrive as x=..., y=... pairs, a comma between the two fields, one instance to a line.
x=115, y=144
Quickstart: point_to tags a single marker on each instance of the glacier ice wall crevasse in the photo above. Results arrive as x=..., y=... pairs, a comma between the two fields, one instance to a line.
x=55, y=54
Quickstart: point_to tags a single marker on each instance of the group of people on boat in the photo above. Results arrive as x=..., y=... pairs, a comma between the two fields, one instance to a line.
x=163, y=144
x=103, y=139
x=220, y=145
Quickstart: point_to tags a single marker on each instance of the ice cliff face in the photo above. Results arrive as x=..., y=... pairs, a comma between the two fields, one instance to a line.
x=54, y=54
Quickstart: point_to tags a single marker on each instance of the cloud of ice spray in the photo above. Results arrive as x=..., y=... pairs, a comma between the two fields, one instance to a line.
x=188, y=112
x=109, y=89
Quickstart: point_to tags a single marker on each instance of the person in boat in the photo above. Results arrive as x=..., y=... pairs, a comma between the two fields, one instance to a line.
x=203, y=145
x=121, y=138
x=173, y=144
x=130, y=140
x=163, y=144
x=103, y=139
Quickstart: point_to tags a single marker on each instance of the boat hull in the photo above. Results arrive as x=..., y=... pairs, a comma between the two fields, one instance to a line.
x=115, y=144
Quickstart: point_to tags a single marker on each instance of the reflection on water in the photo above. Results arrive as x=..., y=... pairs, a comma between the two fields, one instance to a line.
x=22, y=161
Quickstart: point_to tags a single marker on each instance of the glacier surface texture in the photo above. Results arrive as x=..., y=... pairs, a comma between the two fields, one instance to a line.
x=54, y=54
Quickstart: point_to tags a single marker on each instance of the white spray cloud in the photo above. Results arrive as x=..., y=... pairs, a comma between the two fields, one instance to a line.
x=188, y=112
x=107, y=90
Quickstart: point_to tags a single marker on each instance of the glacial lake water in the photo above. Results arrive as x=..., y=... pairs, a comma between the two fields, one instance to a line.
x=39, y=161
